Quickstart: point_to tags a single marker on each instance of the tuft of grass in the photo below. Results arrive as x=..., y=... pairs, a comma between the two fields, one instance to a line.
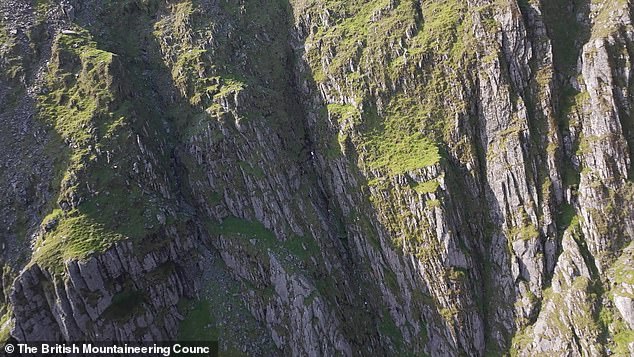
x=622, y=340
x=433, y=203
x=399, y=154
x=526, y=232
x=77, y=236
x=426, y=187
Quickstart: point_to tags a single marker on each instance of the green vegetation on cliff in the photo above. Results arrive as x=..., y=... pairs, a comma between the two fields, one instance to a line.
x=87, y=101
x=348, y=55
x=76, y=103
x=334, y=128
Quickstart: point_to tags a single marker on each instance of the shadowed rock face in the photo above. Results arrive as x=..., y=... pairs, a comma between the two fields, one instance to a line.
x=320, y=177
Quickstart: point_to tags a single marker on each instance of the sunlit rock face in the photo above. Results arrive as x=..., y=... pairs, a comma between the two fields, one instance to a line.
x=319, y=177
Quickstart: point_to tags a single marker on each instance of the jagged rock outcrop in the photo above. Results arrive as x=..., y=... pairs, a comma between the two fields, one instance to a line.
x=361, y=178
x=120, y=295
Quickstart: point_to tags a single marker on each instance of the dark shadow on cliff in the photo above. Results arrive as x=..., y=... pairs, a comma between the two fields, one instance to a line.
x=160, y=115
x=331, y=154
x=112, y=195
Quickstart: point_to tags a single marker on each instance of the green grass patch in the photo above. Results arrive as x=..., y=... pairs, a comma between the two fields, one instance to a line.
x=622, y=341
x=5, y=327
x=199, y=323
x=432, y=203
x=426, y=187
x=299, y=247
x=388, y=328
x=405, y=138
x=566, y=217
x=250, y=170
x=622, y=269
x=525, y=232
x=234, y=225
x=76, y=236
x=442, y=28
x=400, y=154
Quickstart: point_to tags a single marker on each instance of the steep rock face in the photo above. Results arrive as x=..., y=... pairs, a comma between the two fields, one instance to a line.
x=377, y=177
x=95, y=300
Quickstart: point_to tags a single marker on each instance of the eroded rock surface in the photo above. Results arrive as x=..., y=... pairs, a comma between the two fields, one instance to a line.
x=320, y=177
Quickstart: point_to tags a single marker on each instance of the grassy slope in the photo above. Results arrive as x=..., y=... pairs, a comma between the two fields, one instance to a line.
x=103, y=198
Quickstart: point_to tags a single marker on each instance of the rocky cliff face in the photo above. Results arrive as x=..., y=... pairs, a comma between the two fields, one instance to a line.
x=320, y=177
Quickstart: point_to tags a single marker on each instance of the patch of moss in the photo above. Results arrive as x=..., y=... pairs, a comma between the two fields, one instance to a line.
x=566, y=217
x=525, y=230
x=199, y=323
x=388, y=328
x=234, y=225
x=125, y=305
x=251, y=170
x=5, y=327
x=622, y=342
x=10, y=60
x=448, y=313
x=295, y=246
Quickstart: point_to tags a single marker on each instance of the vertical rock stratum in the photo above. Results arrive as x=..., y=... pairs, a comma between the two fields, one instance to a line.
x=320, y=177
